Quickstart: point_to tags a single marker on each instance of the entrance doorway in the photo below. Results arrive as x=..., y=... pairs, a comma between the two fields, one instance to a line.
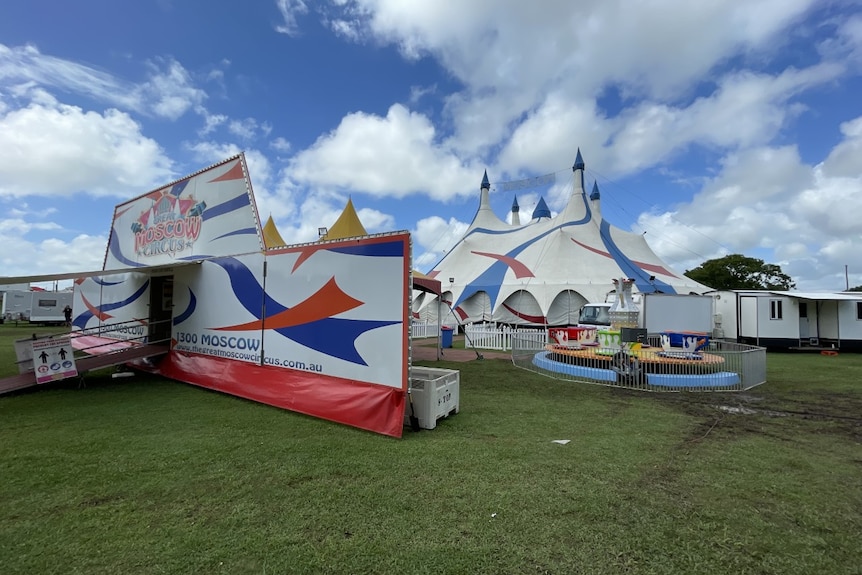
x=161, y=310
x=804, y=331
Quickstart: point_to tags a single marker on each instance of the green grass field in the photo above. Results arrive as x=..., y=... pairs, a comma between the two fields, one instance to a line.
x=143, y=475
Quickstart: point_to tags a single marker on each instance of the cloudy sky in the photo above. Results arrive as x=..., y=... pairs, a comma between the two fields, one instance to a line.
x=716, y=127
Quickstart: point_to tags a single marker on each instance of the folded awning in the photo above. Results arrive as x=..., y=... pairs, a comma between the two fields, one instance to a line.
x=152, y=270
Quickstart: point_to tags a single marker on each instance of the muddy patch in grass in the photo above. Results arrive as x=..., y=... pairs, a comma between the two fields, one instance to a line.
x=734, y=415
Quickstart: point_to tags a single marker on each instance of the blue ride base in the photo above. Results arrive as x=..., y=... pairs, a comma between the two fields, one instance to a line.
x=691, y=381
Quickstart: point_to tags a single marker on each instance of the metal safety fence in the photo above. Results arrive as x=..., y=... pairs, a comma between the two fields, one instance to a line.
x=720, y=366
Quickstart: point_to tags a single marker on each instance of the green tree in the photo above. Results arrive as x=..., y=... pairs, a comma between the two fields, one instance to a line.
x=857, y=288
x=737, y=271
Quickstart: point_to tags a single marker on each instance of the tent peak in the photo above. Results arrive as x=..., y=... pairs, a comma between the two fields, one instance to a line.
x=579, y=162
x=486, y=185
x=347, y=225
x=595, y=195
x=271, y=237
x=516, y=218
x=542, y=210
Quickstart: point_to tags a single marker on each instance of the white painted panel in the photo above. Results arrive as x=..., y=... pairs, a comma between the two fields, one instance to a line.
x=340, y=309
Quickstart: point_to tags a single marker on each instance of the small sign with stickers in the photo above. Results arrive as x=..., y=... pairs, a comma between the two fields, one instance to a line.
x=53, y=359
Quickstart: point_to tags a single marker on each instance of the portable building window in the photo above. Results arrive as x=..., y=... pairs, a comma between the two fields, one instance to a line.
x=859, y=310
x=775, y=309
x=47, y=303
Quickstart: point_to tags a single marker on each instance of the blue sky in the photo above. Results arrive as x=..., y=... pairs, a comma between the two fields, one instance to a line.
x=715, y=127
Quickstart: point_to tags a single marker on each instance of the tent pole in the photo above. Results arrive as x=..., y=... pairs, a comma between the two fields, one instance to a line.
x=439, y=325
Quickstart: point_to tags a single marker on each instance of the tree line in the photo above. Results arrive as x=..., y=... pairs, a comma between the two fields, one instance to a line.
x=737, y=271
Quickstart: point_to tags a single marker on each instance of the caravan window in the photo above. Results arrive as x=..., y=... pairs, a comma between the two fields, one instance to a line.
x=859, y=310
x=775, y=309
x=47, y=303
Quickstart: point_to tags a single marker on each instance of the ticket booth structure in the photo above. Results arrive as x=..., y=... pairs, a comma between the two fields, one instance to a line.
x=321, y=328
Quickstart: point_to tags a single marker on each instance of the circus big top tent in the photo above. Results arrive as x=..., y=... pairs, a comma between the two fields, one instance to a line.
x=542, y=272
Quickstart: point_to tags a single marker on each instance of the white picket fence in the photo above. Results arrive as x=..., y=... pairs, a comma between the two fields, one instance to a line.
x=422, y=329
x=492, y=336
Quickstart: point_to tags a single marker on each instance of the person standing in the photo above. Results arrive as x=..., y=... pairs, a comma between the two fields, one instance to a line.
x=67, y=313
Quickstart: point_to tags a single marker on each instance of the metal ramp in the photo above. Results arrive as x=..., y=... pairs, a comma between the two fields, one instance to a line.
x=88, y=363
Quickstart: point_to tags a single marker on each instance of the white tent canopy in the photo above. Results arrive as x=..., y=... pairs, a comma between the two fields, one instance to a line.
x=542, y=272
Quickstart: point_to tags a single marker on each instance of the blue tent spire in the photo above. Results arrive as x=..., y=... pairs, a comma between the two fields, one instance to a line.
x=595, y=195
x=515, y=207
x=579, y=162
x=486, y=185
x=542, y=210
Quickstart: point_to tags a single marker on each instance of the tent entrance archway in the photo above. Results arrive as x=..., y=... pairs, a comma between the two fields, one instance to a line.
x=565, y=308
x=521, y=308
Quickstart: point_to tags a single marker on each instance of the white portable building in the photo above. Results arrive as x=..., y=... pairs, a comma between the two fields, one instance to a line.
x=791, y=319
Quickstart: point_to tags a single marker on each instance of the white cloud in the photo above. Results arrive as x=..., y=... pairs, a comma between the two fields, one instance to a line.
x=509, y=54
x=845, y=159
x=390, y=157
x=348, y=29
x=168, y=91
x=375, y=221
x=211, y=122
x=24, y=256
x=20, y=226
x=547, y=139
x=248, y=129
x=419, y=92
x=55, y=149
x=746, y=110
x=21, y=64
x=768, y=201
x=280, y=145
x=433, y=238
x=290, y=10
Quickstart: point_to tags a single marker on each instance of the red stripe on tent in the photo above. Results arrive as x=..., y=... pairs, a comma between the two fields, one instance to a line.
x=376, y=408
x=458, y=310
x=521, y=271
x=642, y=265
x=531, y=318
x=235, y=173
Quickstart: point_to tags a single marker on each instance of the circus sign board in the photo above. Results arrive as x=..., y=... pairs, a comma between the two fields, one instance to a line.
x=170, y=226
x=208, y=214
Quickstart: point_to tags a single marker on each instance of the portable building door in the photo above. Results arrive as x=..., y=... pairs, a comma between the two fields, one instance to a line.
x=803, y=320
x=161, y=309
x=748, y=316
